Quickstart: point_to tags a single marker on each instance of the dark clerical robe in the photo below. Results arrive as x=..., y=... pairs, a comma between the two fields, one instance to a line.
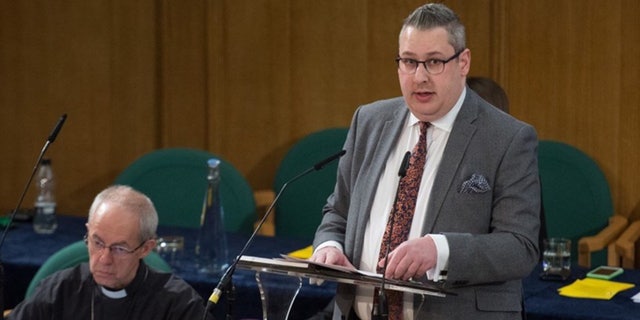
x=72, y=294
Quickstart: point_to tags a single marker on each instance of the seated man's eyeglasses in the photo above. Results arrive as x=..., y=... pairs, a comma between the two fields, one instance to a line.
x=98, y=246
x=433, y=66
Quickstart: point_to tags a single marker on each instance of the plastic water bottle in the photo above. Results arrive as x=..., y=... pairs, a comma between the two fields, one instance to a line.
x=211, y=249
x=44, y=220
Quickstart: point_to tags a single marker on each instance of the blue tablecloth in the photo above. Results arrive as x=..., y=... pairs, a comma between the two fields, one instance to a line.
x=24, y=251
x=543, y=302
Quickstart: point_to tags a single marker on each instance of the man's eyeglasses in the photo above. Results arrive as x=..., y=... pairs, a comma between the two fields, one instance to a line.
x=119, y=251
x=433, y=66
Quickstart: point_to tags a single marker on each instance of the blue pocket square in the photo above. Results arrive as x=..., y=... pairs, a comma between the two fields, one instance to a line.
x=476, y=184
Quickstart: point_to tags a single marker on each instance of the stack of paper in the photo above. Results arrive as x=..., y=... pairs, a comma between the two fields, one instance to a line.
x=594, y=288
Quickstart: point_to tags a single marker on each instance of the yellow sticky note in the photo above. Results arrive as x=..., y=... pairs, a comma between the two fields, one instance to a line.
x=594, y=289
x=304, y=253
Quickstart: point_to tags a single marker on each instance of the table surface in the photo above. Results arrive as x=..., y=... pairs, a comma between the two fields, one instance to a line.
x=24, y=251
x=542, y=300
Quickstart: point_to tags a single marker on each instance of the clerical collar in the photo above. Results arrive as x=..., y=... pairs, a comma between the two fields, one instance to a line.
x=141, y=275
x=119, y=294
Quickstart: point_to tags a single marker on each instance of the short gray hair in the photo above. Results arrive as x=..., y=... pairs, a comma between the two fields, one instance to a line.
x=137, y=202
x=433, y=15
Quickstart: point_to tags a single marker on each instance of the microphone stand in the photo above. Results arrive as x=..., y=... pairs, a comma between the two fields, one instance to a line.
x=230, y=291
x=226, y=277
x=380, y=310
x=50, y=140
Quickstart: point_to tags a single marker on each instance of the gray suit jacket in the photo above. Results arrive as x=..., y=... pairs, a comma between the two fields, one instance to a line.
x=492, y=234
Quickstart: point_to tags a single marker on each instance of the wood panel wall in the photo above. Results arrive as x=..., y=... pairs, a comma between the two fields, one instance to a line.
x=246, y=78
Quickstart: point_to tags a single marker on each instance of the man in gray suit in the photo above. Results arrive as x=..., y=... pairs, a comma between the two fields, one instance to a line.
x=475, y=225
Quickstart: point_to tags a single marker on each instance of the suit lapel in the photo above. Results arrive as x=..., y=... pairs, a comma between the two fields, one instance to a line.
x=389, y=134
x=461, y=134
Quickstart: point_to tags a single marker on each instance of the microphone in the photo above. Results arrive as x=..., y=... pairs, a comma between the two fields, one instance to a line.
x=52, y=137
x=380, y=309
x=54, y=133
x=404, y=166
x=322, y=163
x=226, y=277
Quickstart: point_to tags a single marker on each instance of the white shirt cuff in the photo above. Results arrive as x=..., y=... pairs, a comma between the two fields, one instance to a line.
x=329, y=243
x=442, y=262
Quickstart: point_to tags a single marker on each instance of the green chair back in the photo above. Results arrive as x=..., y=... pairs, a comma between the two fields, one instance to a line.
x=176, y=180
x=575, y=195
x=77, y=253
x=299, y=209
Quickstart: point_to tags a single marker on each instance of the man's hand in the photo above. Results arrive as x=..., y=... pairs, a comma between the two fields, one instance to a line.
x=411, y=258
x=329, y=255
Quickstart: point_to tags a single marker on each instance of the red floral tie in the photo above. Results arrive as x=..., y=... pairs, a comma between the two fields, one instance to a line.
x=402, y=213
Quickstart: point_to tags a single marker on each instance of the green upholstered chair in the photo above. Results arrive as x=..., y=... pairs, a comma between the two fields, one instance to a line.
x=175, y=180
x=577, y=201
x=299, y=209
x=77, y=253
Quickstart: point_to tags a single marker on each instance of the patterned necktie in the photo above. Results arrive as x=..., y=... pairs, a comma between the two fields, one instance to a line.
x=402, y=214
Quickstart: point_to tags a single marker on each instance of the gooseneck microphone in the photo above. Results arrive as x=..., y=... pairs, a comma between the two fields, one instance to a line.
x=56, y=129
x=50, y=140
x=380, y=309
x=226, y=277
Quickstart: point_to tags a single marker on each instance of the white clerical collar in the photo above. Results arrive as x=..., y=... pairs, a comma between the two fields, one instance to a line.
x=119, y=294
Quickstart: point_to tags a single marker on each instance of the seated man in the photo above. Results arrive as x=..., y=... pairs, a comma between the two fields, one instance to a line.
x=116, y=283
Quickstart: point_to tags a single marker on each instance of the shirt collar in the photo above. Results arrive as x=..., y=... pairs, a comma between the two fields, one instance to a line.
x=446, y=122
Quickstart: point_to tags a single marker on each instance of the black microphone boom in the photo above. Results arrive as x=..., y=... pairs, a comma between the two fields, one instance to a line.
x=226, y=277
x=326, y=161
x=54, y=133
x=52, y=137
x=380, y=309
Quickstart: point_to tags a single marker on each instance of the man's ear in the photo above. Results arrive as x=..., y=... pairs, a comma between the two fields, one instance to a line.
x=464, y=61
x=148, y=247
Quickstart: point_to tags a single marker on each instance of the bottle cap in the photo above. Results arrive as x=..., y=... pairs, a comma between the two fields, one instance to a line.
x=213, y=162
